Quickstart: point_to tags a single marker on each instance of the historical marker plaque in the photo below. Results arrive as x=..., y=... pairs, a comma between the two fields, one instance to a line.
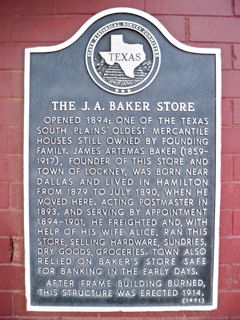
x=122, y=151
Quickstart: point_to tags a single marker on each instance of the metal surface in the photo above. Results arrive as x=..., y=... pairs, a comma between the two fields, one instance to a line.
x=165, y=91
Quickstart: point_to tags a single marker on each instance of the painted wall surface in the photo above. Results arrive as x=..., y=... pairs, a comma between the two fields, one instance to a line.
x=30, y=23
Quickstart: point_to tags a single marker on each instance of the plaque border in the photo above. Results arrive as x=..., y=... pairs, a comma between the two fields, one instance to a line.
x=183, y=47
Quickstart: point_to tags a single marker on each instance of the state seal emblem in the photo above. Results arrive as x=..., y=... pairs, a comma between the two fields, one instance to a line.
x=123, y=57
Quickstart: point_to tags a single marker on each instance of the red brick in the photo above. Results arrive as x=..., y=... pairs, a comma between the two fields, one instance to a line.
x=11, y=277
x=46, y=28
x=230, y=198
x=49, y=317
x=4, y=195
x=236, y=171
x=16, y=196
x=203, y=7
x=229, y=304
x=227, y=168
x=93, y=6
x=236, y=56
x=26, y=7
x=4, y=29
x=11, y=83
x=237, y=7
x=6, y=250
x=6, y=8
x=215, y=29
x=15, y=141
x=175, y=25
x=229, y=250
x=225, y=277
x=37, y=318
x=226, y=54
x=231, y=83
x=11, y=140
x=5, y=304
x=226, y=223
x=236, y=223
x=11, y=56
x=236, y=111
x=4, y=140
x=135, y=316
x=227, y=112
x=11, y=112
x=11, y=168
x=230, y=140
x=18, y=250
x=226, y=51
x=236, y=277
x=11, y=223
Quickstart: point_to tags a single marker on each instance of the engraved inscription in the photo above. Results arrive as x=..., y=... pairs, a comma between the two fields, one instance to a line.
x=120, y=171
x=122, y=199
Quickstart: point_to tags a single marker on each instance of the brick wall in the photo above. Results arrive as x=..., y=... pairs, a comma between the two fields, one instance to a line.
x=27, y=23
